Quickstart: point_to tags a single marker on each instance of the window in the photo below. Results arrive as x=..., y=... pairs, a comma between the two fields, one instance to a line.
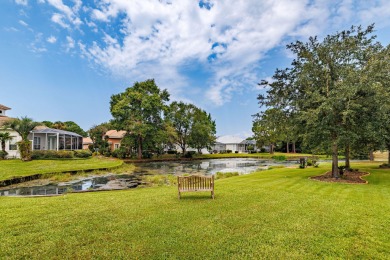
x=116, y=146
x=12, y=144
x=37, y=143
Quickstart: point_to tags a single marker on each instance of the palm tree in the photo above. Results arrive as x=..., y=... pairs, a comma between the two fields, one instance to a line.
x=23, y=126
x=4, y=137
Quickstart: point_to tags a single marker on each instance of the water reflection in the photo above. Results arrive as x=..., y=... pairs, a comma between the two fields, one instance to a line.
x=208, y=167
x=108, y=182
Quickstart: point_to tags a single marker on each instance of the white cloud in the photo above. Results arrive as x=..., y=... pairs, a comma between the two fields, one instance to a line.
x=59, y=19
x=22, y=2
x=142, y=39
x=37, y=45
x=51, y=39
x=66, y=13
x=23, y=23
x=70, y=43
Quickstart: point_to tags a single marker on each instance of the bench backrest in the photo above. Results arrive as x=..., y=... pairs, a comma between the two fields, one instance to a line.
x=195, y=183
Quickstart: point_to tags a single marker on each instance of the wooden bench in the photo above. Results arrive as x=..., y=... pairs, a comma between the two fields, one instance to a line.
x=195, y=183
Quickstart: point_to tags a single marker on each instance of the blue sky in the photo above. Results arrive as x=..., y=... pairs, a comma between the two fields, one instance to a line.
x=62, y=60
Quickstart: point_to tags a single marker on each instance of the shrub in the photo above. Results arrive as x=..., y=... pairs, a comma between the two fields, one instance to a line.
x=229, y=151
x=189, y=154
x=236, y=152
x=82, y=153
x=279, y=158
x=171, y=152
x=3, y=154
x=342, y=169
x=119, y=153
x=223, y=175
x=262, y=150
x=39, y=155
x=106, y=153
x=147, y=155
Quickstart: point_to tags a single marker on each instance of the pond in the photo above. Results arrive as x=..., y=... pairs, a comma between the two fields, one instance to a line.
x=125, y=181
x=211, y=166
x=105, y=182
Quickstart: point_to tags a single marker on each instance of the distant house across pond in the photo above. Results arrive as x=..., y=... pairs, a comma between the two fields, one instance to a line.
x=114, y=138
x=235, y=144
x=87, y=141
x=44, y=138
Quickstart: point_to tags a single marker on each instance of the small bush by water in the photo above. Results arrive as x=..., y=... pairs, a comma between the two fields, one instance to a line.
x=223, y=175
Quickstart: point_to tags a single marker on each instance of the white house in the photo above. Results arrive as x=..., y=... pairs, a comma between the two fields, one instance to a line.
x=10, y=146
x=234, y=144
x=42, y=138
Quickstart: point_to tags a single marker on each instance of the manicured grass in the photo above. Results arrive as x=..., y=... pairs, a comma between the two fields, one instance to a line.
x=17, y=168
x=276, y=214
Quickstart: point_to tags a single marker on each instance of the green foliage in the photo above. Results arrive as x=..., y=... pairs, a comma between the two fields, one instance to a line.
x=24, y=148
x=82, y=153
x=331, y=92
x=268, y=127
x=279, y=157
x=224, y=175
x=66, y=126
x=228, y=151
x=23, y=126
x=4, y=137
x=3, y=154
x=96, y=133
x=120, y=153
x=147, y=155
x=50, y=154
x=160, y=180
x=138, y=110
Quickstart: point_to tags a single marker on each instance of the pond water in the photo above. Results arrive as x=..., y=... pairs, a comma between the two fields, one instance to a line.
x=209, y=167
x=124, y=181
x=106, y=182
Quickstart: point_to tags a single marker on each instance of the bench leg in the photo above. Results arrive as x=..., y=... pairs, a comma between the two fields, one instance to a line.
x=212, y=194
x=179, y=195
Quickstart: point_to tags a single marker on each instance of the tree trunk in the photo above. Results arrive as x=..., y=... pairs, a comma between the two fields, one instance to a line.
x=293, y=147
x=347, y=157
x=271, y=148
x=388, y=153
x=139, y=147
x=335, y=159
x=287, y=147
x=371, y=155
x=3, y=145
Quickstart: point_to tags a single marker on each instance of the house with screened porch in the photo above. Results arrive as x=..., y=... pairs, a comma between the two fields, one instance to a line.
x=41, y=138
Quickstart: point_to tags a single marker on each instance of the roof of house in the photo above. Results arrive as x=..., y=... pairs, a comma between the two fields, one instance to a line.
x=87, y=140
x=4, y=107
x=3, y=119
x=53, y=131
x=229, y=139
x=115, y=134
x=253, y=142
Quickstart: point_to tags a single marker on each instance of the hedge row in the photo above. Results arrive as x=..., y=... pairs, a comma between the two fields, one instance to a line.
x=36, y=155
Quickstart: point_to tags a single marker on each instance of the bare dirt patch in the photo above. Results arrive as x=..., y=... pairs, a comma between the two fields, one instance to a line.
x=347, y=177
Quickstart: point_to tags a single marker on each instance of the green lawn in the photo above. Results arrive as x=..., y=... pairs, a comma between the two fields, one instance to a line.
x=278, y=213
x=17, y=168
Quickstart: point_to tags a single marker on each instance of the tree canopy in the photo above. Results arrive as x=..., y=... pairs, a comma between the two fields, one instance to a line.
x=139, y=110
x=330, y=90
